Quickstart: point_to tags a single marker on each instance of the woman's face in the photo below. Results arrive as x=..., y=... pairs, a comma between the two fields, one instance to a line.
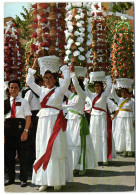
x=49, y=80
x=97, y=88
x=124, y=93
x=72, y=88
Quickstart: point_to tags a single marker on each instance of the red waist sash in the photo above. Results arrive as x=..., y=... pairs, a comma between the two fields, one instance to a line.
x=109, y=127
x=60, y=123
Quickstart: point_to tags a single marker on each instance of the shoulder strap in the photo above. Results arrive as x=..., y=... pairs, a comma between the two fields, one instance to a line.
x=96, y=99
x=125, y=101
x=45, y=99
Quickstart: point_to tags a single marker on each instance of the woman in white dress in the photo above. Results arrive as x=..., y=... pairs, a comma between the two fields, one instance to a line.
x=79, y=140
x=52, y=166
x=124, y=134
x=98, y=120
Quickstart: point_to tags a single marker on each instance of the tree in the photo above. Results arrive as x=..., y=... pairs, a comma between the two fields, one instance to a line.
x=121, y=7
x=25, y=24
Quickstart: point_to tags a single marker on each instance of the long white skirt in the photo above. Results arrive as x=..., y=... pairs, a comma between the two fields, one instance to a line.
x=124, y=134
x=74, y=146
x=98, y=131
x=59, y=169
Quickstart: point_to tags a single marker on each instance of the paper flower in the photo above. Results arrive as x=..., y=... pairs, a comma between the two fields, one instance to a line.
x=81, y=57
x=76, y=53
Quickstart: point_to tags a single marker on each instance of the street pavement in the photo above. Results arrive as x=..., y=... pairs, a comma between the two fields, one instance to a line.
x=119, y=176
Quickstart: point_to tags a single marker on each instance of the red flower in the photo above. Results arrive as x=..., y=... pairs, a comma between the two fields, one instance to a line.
x=42, y=44
x=99, y=13
x=13, y=25
x=96, y=6
x=35, y=12
x=35, y=20
x=104, y=8
x=90, y=46
x=34, y=5
x=34, y=25
x=43, y=20
x=44, y=5
x=47, y=44
x=34, y=35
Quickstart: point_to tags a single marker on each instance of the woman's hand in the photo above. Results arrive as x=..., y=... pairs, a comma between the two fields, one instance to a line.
x=35, y=64
x=88, y=72
x=71, y=68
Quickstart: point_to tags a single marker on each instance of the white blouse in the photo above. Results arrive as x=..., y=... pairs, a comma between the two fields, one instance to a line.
x=56, y=98
x=77, y=102
x=33, y=100
x=22, y=108
x=101, y=103
x=129, y=105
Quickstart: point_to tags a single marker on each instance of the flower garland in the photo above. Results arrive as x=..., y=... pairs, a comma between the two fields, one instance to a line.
x=61, y=11
x=76, y=34
x=99, y=47
x=28, y=59
x=122, y=51
x=41, y=25
x=13, y=63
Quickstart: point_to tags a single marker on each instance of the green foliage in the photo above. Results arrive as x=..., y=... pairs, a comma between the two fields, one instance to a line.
x=121, y=7
x=24, y=24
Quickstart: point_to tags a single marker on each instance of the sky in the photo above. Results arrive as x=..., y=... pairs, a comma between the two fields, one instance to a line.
x=14, y=8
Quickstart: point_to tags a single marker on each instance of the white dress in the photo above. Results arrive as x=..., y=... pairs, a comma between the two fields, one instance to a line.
x=59, y=170
x=124, y=134
x=73, y=129
x=98, y=122
x=112, y=107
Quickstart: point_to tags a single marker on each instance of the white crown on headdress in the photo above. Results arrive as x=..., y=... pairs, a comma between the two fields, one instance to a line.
x=80, y=71
x=51, y=63
x=97, y=76
x=124, y=83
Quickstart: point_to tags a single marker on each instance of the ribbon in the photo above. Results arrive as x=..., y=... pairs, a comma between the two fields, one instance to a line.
x=109, y=126
x=84, y=130
x=120, y=106
x=60, y=123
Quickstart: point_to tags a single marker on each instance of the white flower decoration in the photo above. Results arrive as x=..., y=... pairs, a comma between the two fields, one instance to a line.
x=76, y=53
x=70, y=28
x=69, y=17
x=76, y=33
x=88, y=43
x=81, y=57
x=79, y=24
x=82, y=15
x=82, y=29
x=80, y=39
x=77, y=43
x=88, y=54
x=70, y=41
x=81, y=49
x=88, y=60
x=66, y=58
x=82, y=34
x=68, y=52
x=77, y=17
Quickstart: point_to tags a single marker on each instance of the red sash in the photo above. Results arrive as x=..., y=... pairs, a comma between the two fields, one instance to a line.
x=109, y=126
x=60, y=123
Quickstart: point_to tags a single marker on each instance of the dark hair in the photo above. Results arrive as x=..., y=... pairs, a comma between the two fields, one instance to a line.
x=101, y=83
x=38, y=79
x=55, y=77
x=15, y=80
x=7, y=90
x=80, y=83
x=125, y=89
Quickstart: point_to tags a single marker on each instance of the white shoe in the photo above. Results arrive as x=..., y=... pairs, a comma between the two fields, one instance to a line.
x=57, y=188
x=43, y=188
